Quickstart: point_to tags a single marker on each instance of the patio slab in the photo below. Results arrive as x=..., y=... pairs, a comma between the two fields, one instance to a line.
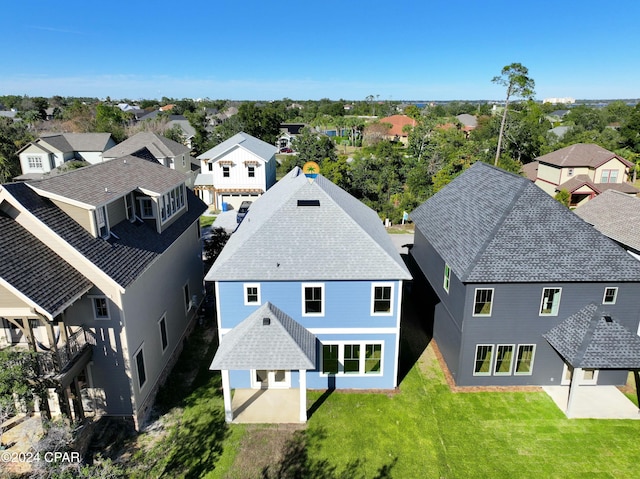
x=594, y=402
x=272, y=406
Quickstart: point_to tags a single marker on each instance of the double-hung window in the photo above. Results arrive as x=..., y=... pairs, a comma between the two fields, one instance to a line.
x=251, y=171
x=550, y=301
x=142, y=373
x=609, y=176
x=251, y=294
x=484, y=359
x=610, y=295
x=524, y=359
x=313, y=299
x=100, y=308
x=381, y=299
x=483, y=302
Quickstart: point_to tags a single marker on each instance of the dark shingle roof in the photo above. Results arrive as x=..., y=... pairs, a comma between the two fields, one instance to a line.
x=591, y=338
x=99, y=184
x=123, y=260
x=493, y=226
x=281, y=344
x=35, y=270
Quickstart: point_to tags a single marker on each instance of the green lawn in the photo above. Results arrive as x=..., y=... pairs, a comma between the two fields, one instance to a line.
x=423, y=431
x=206, y=220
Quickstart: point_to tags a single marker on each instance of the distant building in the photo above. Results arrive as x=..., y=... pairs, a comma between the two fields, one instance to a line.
x=564, y=100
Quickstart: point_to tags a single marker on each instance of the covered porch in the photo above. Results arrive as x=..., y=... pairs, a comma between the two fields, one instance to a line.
x=270, y=346
x=592, y=340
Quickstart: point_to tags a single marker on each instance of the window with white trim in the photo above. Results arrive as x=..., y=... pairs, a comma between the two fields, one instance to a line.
x=550, y=302
x=102, y=229
x=34, y=162
x=483, y=302
x=146, y=208
x=504, y=360
x=609, y=176
x=164, y=339
x=484, y=358
x=312, y=299
x=172, y=202
x=100, y=308
x=210, y=166
x=140, y=368
x=226, y=172
x=251, y=171
x=381, y=299
x=251, y=294
x=524, y=359
x=352, y=358
x=610, y=296
x=447, y=277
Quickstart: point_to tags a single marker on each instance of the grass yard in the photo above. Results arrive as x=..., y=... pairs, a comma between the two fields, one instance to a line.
x=423, y=431
x=206, y=220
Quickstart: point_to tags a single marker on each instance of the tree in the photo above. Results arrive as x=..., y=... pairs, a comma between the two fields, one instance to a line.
x=515, y=78
x=17, y=375
x=564, y=197
x=13, y=136
x=214, y=243
x=311, y=146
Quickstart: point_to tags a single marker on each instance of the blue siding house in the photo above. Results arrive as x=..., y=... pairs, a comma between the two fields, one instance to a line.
x=312, y=273
x=512, y=267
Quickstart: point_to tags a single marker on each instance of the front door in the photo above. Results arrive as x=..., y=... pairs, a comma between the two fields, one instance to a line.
x=589, y=377
x=270, y=379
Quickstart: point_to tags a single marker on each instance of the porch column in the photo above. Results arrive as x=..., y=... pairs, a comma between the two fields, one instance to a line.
x=303, y=395
x=573, y=389
x=226, y=392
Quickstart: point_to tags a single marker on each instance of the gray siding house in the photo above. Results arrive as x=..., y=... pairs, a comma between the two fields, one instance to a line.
x=509, y=264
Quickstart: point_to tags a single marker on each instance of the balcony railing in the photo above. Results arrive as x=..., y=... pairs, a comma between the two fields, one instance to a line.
x=54, y=362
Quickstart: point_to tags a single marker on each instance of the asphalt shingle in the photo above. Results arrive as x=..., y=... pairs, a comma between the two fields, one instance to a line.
x=267, y=339
x=592, y=339
x=494, y=226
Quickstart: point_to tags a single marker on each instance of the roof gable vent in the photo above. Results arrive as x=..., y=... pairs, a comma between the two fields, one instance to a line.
x=607, y=319
x=308, y=202
x=266, y=321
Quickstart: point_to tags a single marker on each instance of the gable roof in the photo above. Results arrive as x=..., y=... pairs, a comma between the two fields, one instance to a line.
x=124, y=259
x=258, y=147
x=34, y=270
x=577, y=182
x=493, y=226
x=616, y=215
x=99, y=184
x=591, y=338
x=581, y=154
x=158, y=145
x=281, y=239
x=281, y=344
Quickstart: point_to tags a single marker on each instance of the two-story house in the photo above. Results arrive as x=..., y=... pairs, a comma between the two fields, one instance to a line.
x=167, y=152
x=102, y=276
x=584, y=170
x=239, y=169
x=309, y=294
x=510, y=264
x=51, y=151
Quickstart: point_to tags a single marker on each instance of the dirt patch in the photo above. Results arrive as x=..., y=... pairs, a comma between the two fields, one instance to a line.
x=262, y=446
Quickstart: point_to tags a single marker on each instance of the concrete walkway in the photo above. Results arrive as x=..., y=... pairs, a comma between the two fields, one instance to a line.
x=256, y=406
x=594, y=402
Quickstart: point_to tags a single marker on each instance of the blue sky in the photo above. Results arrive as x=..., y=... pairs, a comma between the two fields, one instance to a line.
x=268, y=50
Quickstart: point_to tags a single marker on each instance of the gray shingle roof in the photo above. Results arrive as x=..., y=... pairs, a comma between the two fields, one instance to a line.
x=616, y=215
x=87, y=141
x=35, y=270
x=123, y=260
x=99, y=184
x=493, y=226
x=580, y=154
x=340, y=239
x=282, y=344
x=258, y=147
x=158, y=145
x=590, y=338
